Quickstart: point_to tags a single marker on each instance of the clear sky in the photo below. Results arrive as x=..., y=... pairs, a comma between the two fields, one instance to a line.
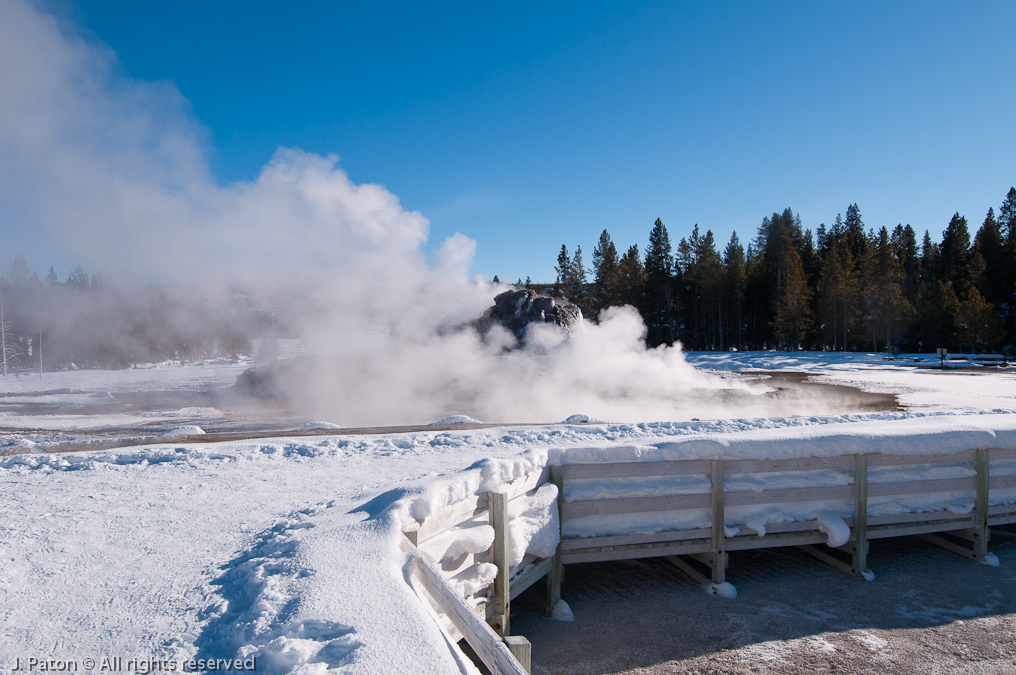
x=528, y=126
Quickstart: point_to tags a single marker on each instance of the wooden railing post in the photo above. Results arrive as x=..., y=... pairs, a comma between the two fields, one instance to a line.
x=498, y=508
x=522, y=650
x=719, y=543
x=557, y=571
x=860, y=552
x=981, y=531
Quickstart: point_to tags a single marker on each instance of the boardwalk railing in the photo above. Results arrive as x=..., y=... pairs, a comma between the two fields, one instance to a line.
x=711, y=544
x=490, y=604
x=717, y=493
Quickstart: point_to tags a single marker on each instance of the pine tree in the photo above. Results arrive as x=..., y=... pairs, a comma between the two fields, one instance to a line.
x=19, y=272
x=733, y=262
x=564, y=271
x=977, y=323
x=576, y=289
x=1007, y=218
x=793, y=308
x=607, y=279
x=954, y=252
x=885, y=305
x=658, y=299
x=632, y=277
x=838, y=287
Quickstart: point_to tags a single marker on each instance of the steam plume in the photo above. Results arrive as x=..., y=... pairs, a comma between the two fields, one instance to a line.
x=114, y=171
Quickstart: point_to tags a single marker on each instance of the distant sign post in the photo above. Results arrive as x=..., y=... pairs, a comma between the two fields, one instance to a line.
x=942, y=353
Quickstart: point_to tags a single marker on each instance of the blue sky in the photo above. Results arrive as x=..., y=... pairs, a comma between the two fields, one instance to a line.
x=526, y=127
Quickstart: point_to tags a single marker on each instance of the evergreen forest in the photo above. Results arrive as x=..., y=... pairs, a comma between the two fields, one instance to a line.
x=844, y=287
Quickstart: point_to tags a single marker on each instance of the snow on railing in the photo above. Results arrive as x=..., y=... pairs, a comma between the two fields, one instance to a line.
x=490, y=533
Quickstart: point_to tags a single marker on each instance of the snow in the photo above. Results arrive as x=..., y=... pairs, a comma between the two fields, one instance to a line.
x=456, y=419
x=562, y=612
x=533, y=525
x=180, y=432
x=835, y=529
x=287, y=549
x=723, y=589
x=315, y=426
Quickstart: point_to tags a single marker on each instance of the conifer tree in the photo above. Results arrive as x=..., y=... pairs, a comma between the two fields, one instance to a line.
x=838, y=290
x=564, y=271
x=606, y=281
x=658, y=298
x=733, y=261
x=885, y=305
x=793, y=305
x=632, y=277
x=576, y=287
x=954, y=252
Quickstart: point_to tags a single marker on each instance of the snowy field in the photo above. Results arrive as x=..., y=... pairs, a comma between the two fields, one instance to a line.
x=284, y=549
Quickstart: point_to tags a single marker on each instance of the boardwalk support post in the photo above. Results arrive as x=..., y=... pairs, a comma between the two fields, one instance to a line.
x=981, y=531
x=859, y=545
x=498, y=507
x=557, y=571
x=522, y=650
x=719, y=539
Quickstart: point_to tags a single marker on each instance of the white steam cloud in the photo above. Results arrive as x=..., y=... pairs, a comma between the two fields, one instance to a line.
x=114, y=170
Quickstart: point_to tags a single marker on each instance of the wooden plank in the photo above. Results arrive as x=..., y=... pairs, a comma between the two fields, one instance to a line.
x=931, y=516
x=636, y=552
x=787, y=495
x=908, y=460
x=777, y=540
x=838, y=462
x=950, y=546
x=831, y=561
x=719, y=537
x=603, y=507
x=1002, y=519
x=1002, y=453
x=451, y=515
x=498, y=509
x=557, y=570
x=683, y=467
x=688, y=569
x=915, y=487
x=625, y=539
x=860, y=530
x=484, y=641
x=448, y=570
x=522, y=582
x=521, y=650
x=771, y=528
x=1001, y=508
x=1002, y=482
x=885, y=531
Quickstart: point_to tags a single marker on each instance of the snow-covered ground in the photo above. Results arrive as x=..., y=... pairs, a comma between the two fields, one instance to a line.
x=283, y=548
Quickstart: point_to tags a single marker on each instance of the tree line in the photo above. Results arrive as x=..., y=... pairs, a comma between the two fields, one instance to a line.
x=88, y=321
x=844, y=287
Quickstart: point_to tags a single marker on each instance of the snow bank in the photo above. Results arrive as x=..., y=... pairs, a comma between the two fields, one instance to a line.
x=180, y=432
x=314, y=426
x=456, y=419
